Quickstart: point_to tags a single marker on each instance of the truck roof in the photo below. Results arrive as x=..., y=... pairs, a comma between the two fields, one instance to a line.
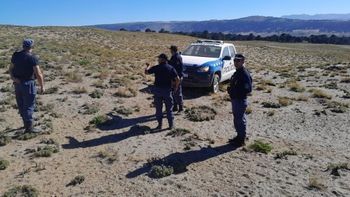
x=211, y=42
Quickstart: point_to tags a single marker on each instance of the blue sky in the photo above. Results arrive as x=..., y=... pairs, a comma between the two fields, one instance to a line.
x=88, y=12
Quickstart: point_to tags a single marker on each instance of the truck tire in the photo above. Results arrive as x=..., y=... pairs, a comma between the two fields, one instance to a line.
x=215, y=85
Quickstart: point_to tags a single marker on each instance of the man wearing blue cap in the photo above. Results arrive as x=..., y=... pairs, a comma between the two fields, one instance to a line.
x=23, y=71
x=166, y=79
x=240, y=87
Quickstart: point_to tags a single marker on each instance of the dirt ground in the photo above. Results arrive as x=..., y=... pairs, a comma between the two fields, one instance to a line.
x=299, y=108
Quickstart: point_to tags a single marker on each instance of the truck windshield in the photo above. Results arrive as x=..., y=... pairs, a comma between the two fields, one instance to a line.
x=203, y=51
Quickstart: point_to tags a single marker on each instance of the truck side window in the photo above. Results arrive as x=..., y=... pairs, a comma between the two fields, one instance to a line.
x=226, y=52
x=232, y=51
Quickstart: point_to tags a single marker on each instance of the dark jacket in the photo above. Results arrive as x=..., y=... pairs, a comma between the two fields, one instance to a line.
x=164, y=75
x=176, y=62
x=24, y=63
x=240, y=84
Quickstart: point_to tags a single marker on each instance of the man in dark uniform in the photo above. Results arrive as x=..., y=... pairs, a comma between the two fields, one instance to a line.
x=166, y=79
x=240, y=87
x=176, y=62
x=23, y=71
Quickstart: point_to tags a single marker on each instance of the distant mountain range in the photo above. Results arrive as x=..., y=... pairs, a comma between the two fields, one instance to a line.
x=342, y=17
x=252, y=24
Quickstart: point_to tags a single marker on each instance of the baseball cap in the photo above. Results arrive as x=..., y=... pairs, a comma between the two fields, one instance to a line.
x=28, y=43
x=163, y=56
x=239, y=56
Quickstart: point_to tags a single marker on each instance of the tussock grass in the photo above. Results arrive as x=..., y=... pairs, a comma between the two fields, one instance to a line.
x=74, y=77
x=200, y=113
x=89, y=109
x=178, y=132
x=318, y=93
x=108, y=155
x=296, y=87
x=285, y=101
x=316, y=184
x=270, y=104
x=345, y=80
x=285, y=154
x=123, y=110
x=96, y=94
x=79, y=90
x=125, y=92
x=76, y=181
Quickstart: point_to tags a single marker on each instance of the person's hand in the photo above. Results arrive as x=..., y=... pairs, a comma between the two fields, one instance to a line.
x=16, y=81
x=42, y=90
x=147, y=64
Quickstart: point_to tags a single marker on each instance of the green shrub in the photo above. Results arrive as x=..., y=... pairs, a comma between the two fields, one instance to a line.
x=261, y=147
x=160, y=171
x=46, y=151
x=178, y=132
x=4, y=164
x=4, y=140
x=100, y=120
x=19, y=191
x=96, y=94
x=200, y=113
x=270, y=105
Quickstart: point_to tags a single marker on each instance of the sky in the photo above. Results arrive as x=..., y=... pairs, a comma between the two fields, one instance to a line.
x=91, y=12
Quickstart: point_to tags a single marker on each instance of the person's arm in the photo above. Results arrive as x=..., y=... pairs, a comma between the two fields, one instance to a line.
x=14, y=79
x=40, y=77
x=176, y=83
x=149, y=69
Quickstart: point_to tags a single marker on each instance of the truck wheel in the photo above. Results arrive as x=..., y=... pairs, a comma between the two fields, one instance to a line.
x=215, y=86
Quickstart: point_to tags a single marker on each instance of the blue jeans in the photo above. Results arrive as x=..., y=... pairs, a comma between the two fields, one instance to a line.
x=25, y=97
x=239, y=107
x=163, y=95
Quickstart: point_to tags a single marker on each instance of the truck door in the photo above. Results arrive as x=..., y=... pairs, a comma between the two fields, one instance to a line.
x=228, y=66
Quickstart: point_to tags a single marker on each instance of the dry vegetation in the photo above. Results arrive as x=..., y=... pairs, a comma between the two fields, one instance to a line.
x=298, y=115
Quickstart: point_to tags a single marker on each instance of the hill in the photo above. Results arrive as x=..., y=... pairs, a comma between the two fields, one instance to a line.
x=256, y=24
x=342, y=17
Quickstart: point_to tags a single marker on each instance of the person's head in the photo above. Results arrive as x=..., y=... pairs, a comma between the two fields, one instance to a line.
x=239, y=60
x=28, y=44
x=162, y=58
x=173, y=49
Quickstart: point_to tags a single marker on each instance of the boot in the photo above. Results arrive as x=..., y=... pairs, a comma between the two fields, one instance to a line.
x=159, y=127
x=29, y=128
x=171, y=125
x=175, y=108
x=181, y=108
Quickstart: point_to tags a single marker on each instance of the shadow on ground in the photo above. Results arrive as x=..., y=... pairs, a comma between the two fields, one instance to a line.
x=180, y=161
x=117, y=122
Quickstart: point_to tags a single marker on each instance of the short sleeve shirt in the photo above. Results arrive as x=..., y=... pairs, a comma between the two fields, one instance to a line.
x=164, y=74
x=24, y=64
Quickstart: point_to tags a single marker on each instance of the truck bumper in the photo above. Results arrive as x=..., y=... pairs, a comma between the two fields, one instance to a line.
x=197, y=80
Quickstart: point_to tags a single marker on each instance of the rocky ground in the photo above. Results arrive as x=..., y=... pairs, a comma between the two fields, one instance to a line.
x=98, y=118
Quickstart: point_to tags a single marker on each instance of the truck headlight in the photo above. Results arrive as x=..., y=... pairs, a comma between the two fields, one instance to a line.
x=203, y=69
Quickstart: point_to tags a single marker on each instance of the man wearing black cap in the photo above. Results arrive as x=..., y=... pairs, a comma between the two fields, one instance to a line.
x=23, y=71
x=176, y=62
x=240, y=87
x=166, y=79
